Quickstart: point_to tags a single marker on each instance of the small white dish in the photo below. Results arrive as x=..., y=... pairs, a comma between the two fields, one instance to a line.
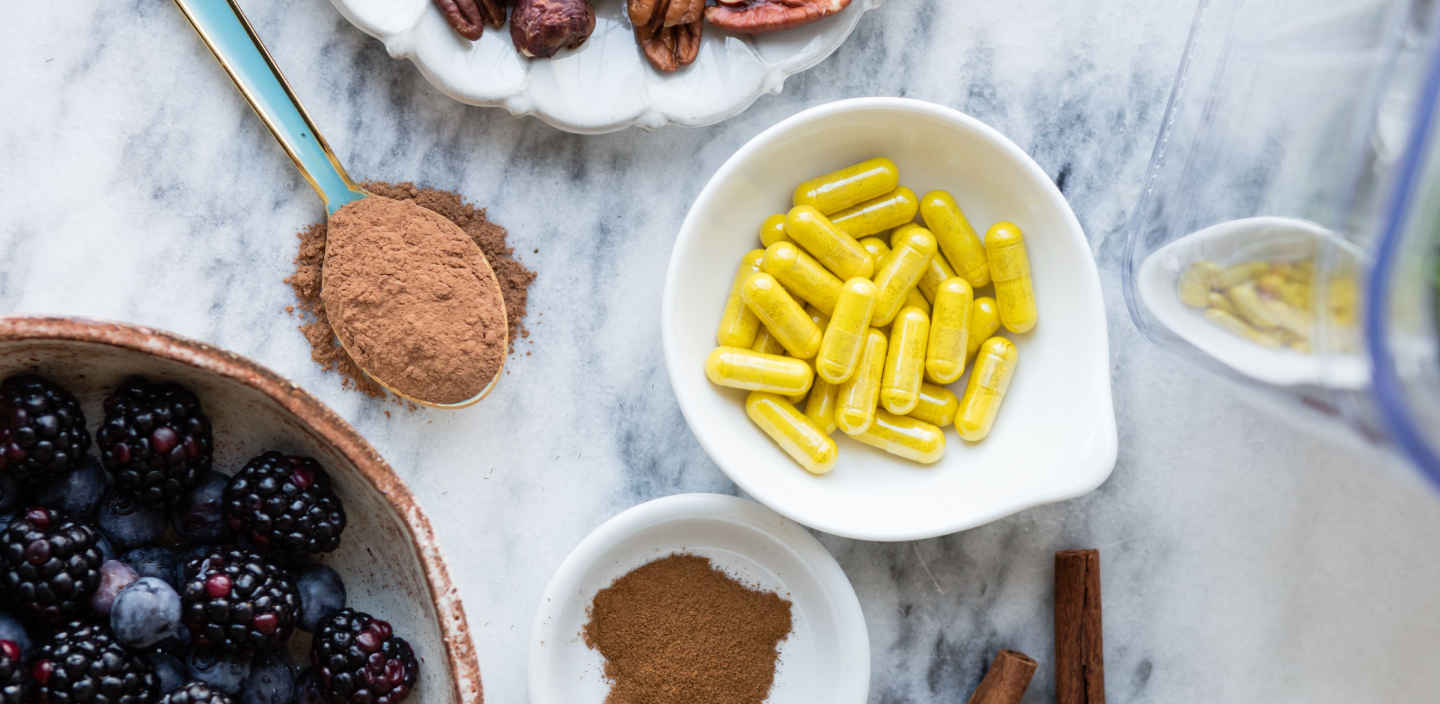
x=1274, y=239
x=825, y=660
x=606, y=84
x=1055, y=437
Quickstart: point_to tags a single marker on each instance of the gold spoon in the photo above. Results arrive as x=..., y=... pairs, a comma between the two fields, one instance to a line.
x=225, y=30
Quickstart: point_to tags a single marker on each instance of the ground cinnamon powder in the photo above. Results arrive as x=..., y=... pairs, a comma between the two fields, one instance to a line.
x=679, y=631
x=305, y=281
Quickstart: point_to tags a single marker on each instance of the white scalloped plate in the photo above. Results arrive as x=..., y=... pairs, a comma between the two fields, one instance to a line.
x=606, y=84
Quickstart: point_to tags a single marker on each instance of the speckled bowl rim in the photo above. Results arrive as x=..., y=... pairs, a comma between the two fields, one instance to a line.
x=459, y=649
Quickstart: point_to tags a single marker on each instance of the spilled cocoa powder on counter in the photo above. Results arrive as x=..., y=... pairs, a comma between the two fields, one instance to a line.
x=514, y=278
x=679, y=631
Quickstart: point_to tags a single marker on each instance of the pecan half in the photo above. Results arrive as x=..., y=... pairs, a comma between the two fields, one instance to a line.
x=761, y=16
x=469, y=17
x=543, y=27
x=671, y=47
x=668, y=31
x=668, y=13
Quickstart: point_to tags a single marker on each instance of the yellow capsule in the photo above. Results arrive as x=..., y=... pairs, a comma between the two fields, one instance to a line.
x=911, y=438
x=756, y=371
x=765, y=342
x=936, y=273
x=1237, y=274
x=878, y=214
x=820, y=319
x=1194, y=285
x=937, y=405
x=1010, y=272
x=773, y=230
x=845, y=336
x=820, y=405
x=781, y=315
x=839, y=252
x=1221, y=301
x=900, y=232
x=905, y=361
x=994, y=365
x=1251, y=308
x=738, y=323
x=1239, y=327
x=875, y=246
x=915, y=299
x=797, y=435
x=958, y=241
x=899, y=272
x=984, y=321
x=949, y=331
x=1294, y=293
x=855, y=404
x=841, y=189
x=801, y=275
x=1299, y=272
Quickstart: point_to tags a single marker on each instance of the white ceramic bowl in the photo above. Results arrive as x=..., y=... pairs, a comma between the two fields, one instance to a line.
x=1055, y=436
x=606, y=84
x=826, y=658
x=1266, y=238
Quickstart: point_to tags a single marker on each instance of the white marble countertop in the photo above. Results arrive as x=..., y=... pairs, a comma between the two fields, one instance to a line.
x=1242, y=561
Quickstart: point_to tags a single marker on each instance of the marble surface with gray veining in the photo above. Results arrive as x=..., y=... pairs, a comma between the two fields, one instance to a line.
x=1243, y=562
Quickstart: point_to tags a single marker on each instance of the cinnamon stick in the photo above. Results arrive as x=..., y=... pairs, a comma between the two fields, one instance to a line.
x=1006, y=680
x=1079, y=653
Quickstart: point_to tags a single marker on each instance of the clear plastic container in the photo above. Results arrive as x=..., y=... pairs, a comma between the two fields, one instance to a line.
x=1285, y=240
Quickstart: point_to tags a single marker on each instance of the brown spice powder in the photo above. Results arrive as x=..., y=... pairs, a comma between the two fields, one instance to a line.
x=679, y=631
x=514, y=278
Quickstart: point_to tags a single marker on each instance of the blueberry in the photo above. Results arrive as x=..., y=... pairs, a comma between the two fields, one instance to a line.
x=271, y=681
x=307, y=690
x=168, y=669
x=10, y=492
x=152, y=562
x=199, y=516
x=6, y=517
x=115, y=576
x=145, y=613
x=217, y=670
x=127, y=523
x=107, y=550
x=12, y=630
x=321, y=594
x=76, y=494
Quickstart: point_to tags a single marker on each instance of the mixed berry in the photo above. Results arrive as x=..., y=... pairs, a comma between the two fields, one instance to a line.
x=147, y=577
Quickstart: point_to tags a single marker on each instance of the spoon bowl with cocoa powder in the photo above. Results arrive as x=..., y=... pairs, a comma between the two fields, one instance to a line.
x=412, y=298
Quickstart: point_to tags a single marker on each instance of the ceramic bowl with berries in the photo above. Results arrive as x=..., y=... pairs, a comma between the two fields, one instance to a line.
x=179, y=525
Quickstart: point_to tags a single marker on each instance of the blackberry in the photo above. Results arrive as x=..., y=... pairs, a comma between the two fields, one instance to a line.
x=284, y=502
x=359, y=660
x=51, y=565
x=196, y=692
x=42, y=430
x=155, y=440
x=82, y=663
x=236, y=601
x=13, y=687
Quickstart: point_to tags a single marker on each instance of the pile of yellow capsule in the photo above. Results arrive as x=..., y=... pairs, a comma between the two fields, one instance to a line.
x=865, y=332
x=1268, y=304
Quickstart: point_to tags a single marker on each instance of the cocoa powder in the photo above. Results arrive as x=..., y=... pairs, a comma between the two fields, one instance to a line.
x=679, y=631
x=514, y=278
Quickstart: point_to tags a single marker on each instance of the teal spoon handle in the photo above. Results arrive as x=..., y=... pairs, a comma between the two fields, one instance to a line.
x=229, y=35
